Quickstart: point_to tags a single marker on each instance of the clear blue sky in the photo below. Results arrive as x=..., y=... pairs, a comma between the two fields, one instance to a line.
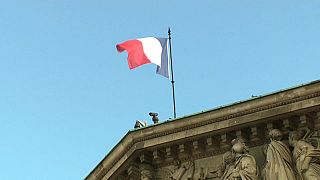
x=67, y=97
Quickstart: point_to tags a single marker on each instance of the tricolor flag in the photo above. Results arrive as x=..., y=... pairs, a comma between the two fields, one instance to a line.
x=147, y=50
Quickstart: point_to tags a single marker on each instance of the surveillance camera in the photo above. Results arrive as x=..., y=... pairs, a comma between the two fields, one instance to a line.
x=153, y=114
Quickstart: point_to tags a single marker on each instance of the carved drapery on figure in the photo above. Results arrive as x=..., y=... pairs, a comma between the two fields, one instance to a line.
x=228, y=165
x=278, y=158
x=237, y=164
x=305, y=156
x=225, y=169
x=245, y=167
x=180, y=170
x=146, y=172
x=202, y=138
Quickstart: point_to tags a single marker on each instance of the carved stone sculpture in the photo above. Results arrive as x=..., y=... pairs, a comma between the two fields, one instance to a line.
x=228, y=165
x=146, y=172
x=279, y=163
x=163, y=174
x=245, y=167
x=226, y=168
x=180, y=169
x=200, y=173
x=305, y=156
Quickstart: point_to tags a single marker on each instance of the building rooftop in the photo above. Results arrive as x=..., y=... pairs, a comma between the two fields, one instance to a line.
x=221, y=113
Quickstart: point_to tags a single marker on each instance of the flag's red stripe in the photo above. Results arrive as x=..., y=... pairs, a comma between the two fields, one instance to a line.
x=136, y=56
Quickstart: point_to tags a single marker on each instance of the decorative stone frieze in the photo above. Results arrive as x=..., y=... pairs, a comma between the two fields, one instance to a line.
x=199, y=146
x=183, y=151
x=225, y=140
x=211, y=144
x=255, y=135
x=158, y=157
x=170, y=154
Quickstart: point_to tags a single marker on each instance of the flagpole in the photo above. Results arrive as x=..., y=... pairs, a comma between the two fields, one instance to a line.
x=172, y=79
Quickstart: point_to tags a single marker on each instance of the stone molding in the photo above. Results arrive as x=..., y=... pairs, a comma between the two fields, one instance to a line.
x=306, y=96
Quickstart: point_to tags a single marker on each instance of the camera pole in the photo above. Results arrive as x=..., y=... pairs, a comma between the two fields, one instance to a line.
x=172, y=80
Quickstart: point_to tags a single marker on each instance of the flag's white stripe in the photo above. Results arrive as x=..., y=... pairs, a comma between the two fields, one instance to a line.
x=164, y=68
x=152, y=49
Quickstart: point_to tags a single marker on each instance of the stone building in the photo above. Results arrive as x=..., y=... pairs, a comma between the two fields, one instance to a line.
x=196, y=146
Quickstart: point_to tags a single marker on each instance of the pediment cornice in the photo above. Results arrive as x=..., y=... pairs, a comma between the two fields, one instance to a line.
x=217, y=120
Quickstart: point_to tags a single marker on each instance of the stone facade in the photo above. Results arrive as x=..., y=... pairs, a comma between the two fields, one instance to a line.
x=200, y=146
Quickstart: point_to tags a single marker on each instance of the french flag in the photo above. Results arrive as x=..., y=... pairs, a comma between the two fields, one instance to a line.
x=147, y=50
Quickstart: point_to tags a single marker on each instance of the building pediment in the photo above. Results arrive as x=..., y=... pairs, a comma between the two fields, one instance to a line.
x=208, y=134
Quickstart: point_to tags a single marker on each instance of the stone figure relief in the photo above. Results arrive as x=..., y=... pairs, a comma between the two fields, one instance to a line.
x=228, y=165
x=245, y=167
x=163, y=174
x=279, y=163
x=236, y=164
x=180, y=169
x=200, y=173
x=305, y=156
x=146, y=172
x=303, y=163
x=226, y=168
